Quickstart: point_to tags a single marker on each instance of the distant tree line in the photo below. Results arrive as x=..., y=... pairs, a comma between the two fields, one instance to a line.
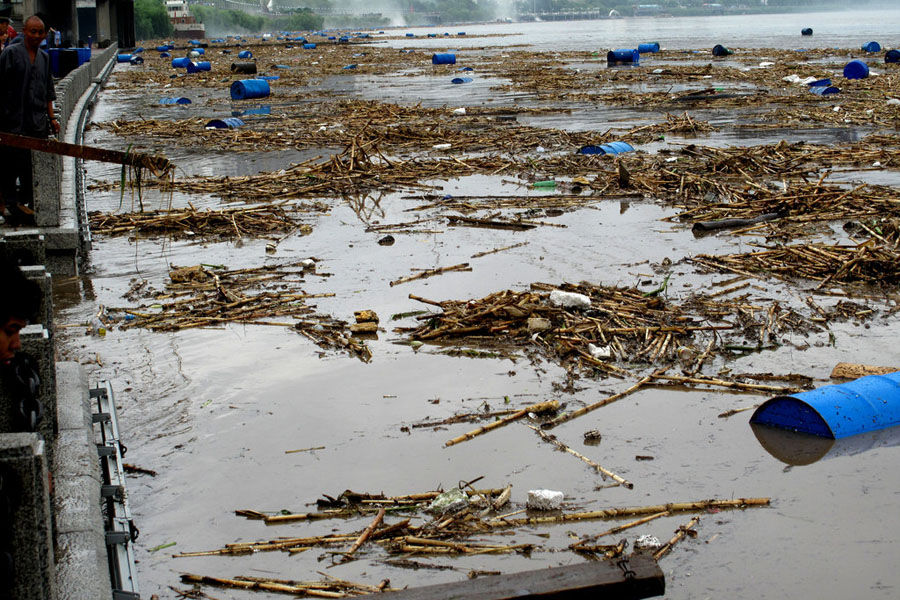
x=151, y=20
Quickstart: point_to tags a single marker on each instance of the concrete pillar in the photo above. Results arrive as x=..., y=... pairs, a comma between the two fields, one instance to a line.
x=37, y=344
x=39, y=274
x=46, y=170
x=104, y=21
x=24, y=247
x=25, y=495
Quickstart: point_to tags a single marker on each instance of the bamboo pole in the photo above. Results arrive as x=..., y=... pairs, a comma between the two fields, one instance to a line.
x=540, y=407
x=431, y=273
x=547, y=437
x=614, y=513
x=586, y=409
x=754, y=387
x=618, y=529
x=365, y=534
x=680, y=533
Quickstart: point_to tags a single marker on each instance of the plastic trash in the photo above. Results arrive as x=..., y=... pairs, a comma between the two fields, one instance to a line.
x=647, y=541
x=451, y=501
x=544, y=500
x=569, y=299
x=459, y=111
x=549, y=183
x=458, y=80
x=600, y=351
x=442, y=146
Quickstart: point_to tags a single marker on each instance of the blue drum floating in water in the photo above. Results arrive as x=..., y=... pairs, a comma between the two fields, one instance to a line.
x=892, y=56
x=611, y=148
x=872, y=47
x=648, y=47
x=445, y=58
x=623, y=55
x=246, y=89
x=837, y=411
x=226, y=123
x=181, y=100
x=856, y=69
x=720, y=50
x=458, y=80
x=806, y=31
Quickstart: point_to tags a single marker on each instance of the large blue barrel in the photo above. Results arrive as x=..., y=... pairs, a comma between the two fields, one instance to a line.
x=245, y=54
x=623, y=55
x=872, y=47
x=445, y=58
x=123, y=58
x=648, y=47
x=856, y=69
x=837, y=411
x=245, y=89
x=196, y=67
x=163, y=47
x=611, y=148
x=458, y=80
x=720, y=50
x=138, y=50
x=309, y=46
x=892, y=56
x=819, y=83
x=226, y=123
x=806, y=31
x=181, y=62
x=84, y=55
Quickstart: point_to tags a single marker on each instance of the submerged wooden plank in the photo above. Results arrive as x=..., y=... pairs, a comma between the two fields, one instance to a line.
x=604, y=579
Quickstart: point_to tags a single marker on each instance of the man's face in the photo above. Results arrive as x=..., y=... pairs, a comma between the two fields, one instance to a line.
x=9, y=339
x=34, y=33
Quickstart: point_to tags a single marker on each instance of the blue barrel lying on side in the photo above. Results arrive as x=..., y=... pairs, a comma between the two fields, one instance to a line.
x=856, y=69
x=459, y=80
x=648, y=47
x=245, y=89
x=165, y=55
x=445, y=58
x=196, y=67
x=136, y=59
x=226, y=123
x=720, y=50
x=180, y=62
x=806, y=31
x=162, y=48
x=623, y=55
x=819, y=83
x=892, y=56
x=837, y=411
x=180, y=100
x=824, y=90
x=245, y=54
x=872, y=47
x=611, y=148
x=123, y=58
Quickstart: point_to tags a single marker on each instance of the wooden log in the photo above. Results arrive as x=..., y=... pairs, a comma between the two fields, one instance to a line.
x=535, y=408
x=844, y=370
x=641, y=577
x=158, y=164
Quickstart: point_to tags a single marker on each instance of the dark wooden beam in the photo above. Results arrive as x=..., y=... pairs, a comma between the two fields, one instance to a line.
x=595, y=579
x=158, y=164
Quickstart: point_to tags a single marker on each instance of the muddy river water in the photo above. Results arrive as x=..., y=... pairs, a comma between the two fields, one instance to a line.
x=216, y=412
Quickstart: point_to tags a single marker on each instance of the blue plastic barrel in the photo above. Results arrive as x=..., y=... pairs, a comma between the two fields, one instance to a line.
x=137, y=60
x=268, y=77
x=123, y=58
x=856, y=69
x=720, y=50
x=163, y=47
x=892, y=56
x=138, y=50
x=806, y=31
x=84, y=55
x=196, y=67
x=245, y=89
x=245, y=54
x=349, y=67
x=459, y=80
x=824, y=90
x=837, y=411
x=820, y=83
x=445, y=58
x=410, y=35
x=180, y=62
x=460, y=33
x=872, y=47
x=309, y=46
x=611, y=148
x=226, y=123
x=623, y=55
x=465, y=69
x=648, y=47
x=180, y=100
x=165, y=55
